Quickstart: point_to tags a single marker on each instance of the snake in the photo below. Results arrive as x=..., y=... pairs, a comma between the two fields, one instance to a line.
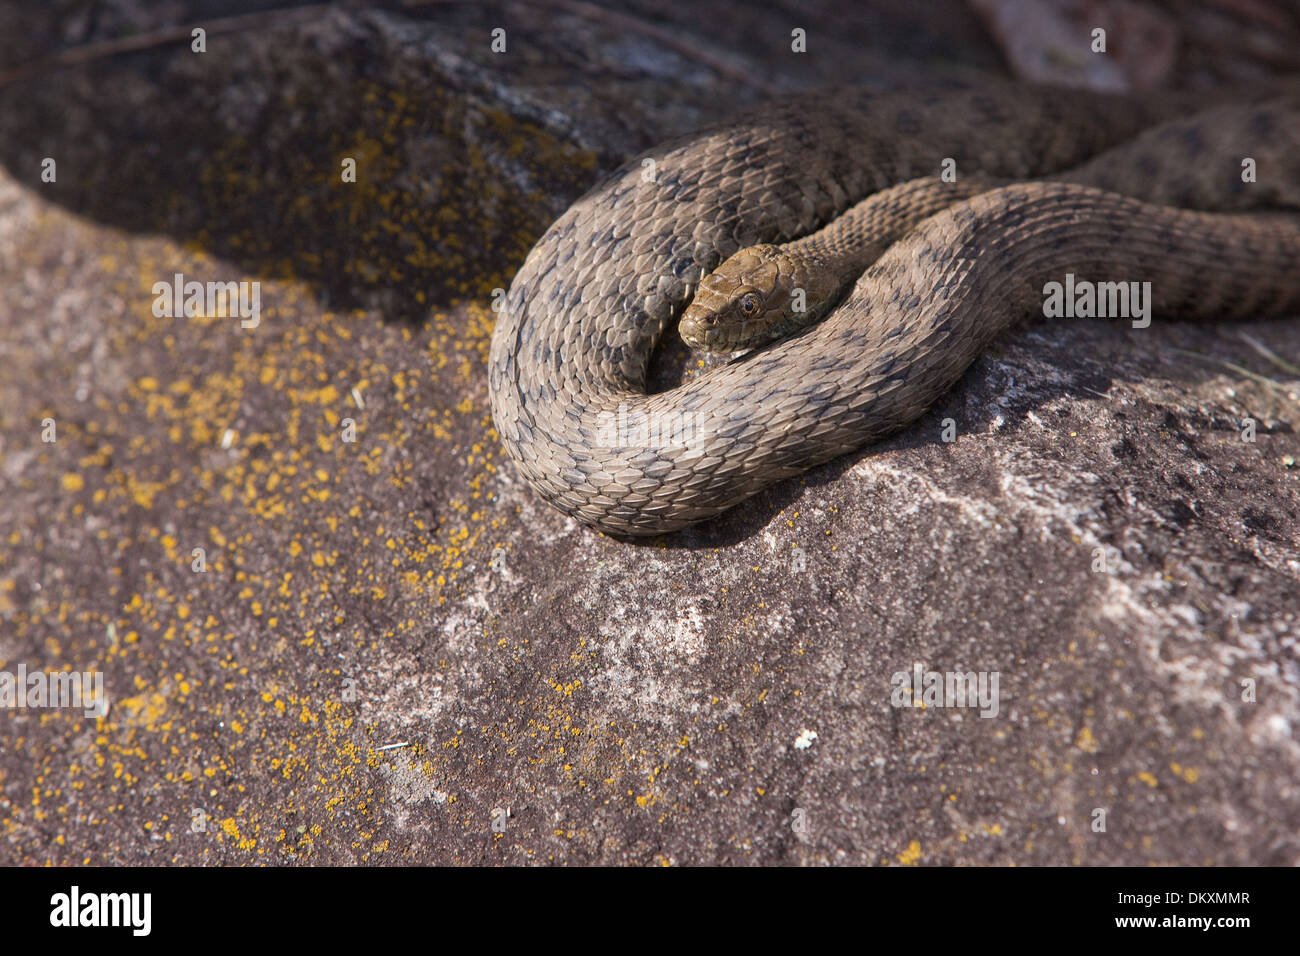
x=921, y=224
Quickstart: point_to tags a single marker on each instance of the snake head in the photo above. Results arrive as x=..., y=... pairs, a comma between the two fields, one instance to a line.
x=758, y=294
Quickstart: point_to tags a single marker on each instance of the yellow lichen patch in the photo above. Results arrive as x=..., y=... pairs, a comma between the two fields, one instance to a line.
x=143, y=710
x=258, y=510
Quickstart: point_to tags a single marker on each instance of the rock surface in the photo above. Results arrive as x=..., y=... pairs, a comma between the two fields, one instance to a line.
x=397, y=653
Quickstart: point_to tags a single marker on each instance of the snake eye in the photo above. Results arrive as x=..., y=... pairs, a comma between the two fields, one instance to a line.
x=749, y=304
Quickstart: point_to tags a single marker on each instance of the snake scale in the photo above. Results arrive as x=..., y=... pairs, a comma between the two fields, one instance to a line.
x=1130, y=185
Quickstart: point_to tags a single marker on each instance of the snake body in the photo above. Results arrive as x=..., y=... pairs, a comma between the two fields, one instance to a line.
x=572, y=344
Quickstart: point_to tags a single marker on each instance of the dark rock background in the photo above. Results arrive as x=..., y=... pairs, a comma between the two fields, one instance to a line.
x=600, y=701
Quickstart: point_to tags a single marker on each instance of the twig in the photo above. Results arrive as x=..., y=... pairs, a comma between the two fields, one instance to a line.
x=625, y=21
x=1264, y=380
x=1289, y=367
x=89, y=52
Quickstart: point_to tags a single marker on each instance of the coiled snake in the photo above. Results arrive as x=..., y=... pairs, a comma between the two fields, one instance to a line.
x=571, y=347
